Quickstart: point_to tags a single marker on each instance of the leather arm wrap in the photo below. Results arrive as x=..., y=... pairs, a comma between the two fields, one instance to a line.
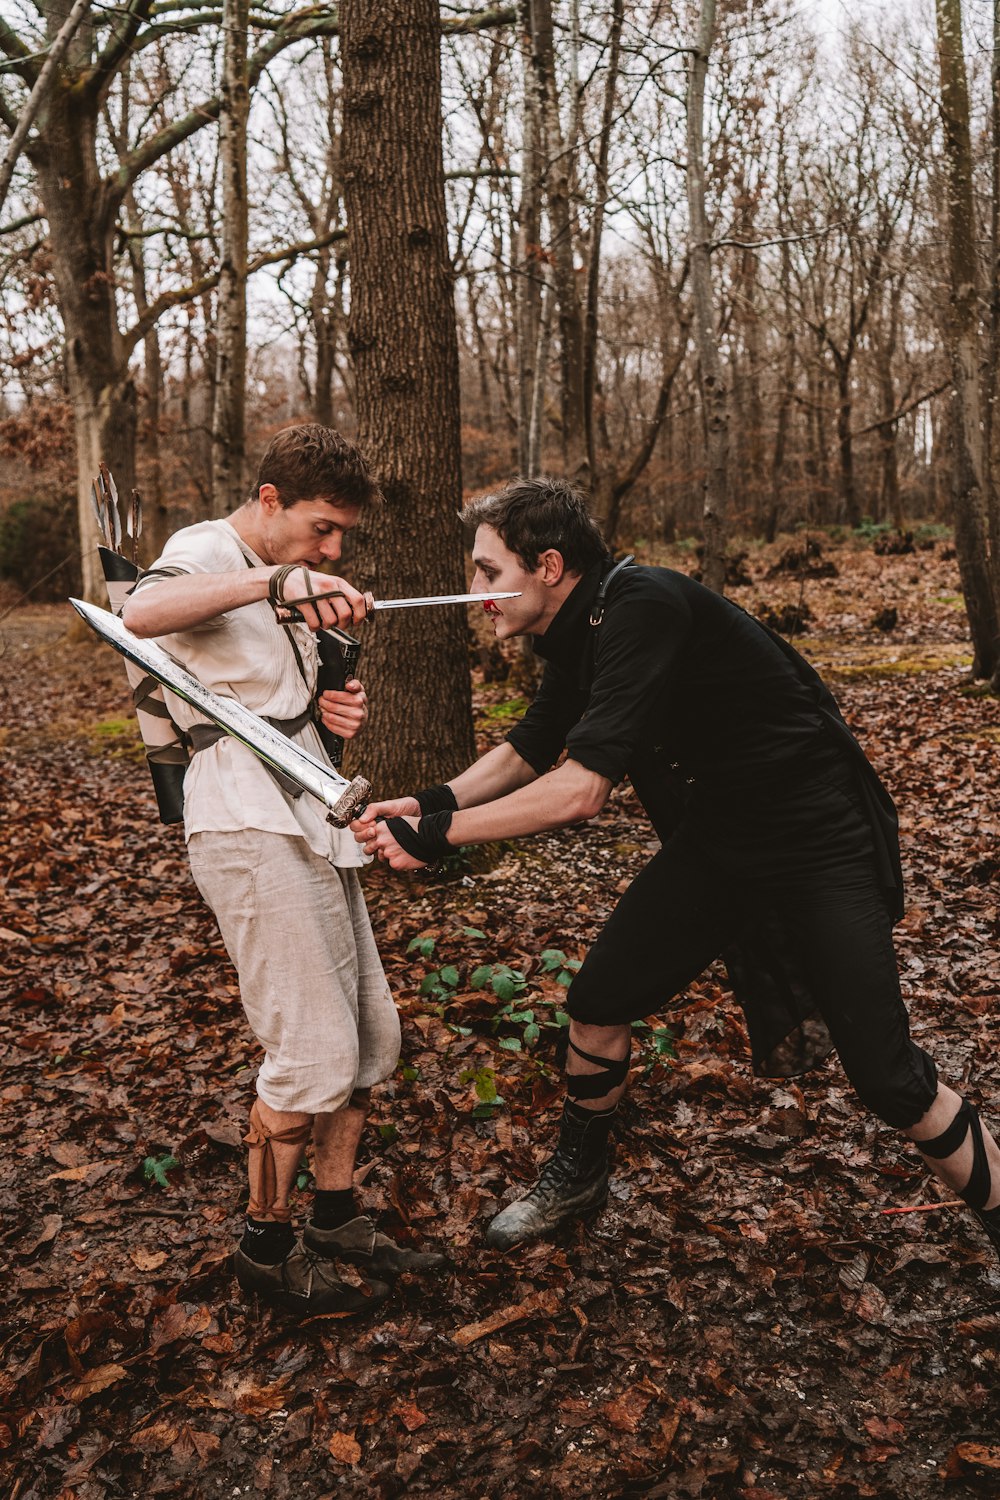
x=428, y=842
x=436, y=799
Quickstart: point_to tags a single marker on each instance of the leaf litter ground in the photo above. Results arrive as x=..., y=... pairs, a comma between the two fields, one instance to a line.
x=742, y=1321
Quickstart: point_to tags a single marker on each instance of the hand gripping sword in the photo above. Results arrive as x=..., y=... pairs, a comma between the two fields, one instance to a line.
x=343, y=799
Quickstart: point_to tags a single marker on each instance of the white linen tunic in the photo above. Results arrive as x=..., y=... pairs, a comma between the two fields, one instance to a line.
x=246, y=655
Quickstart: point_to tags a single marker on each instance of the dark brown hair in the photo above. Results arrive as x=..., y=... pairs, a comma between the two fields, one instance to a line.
x=313, y=462
x=532, y=515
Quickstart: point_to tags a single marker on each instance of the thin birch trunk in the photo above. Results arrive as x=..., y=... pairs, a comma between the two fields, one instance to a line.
x=229, y=406
x=714, y=392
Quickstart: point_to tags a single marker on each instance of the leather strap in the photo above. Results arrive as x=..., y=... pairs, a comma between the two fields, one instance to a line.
x=977, y=1189
x=259, y=1138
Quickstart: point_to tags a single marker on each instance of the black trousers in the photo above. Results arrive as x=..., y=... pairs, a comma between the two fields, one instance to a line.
x=802, y=850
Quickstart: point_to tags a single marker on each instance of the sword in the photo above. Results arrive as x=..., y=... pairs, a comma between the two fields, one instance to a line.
x=288, y=612
x=343, y=799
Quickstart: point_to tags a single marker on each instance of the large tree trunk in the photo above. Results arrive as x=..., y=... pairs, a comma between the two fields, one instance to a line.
x=401, y=332
x=963, y=339
x=229, y=411
x=714, y=393
x=101, y=391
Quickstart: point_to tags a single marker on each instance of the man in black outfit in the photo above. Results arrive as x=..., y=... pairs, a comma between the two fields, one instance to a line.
x=779, y=842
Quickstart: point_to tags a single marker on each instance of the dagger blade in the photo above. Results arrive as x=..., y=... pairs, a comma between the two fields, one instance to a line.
x=439, y=599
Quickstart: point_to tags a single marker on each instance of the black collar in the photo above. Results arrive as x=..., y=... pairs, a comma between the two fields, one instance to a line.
x=568, y=637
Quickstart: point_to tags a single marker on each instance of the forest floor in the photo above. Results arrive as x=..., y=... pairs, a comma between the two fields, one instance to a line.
x=743, y=1320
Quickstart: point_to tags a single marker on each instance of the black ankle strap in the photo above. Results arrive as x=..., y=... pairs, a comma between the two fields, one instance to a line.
x=977, y=1189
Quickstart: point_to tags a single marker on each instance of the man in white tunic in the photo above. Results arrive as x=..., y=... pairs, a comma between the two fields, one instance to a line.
x=281, y=881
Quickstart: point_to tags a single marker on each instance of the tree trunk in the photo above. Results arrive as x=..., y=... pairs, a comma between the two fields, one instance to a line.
x=101, y=391
x=559, y=157
x=229, y=408
x=529, y=267
x=714, y=394
x=963, y=339
x=401, y=332
x=845, y=446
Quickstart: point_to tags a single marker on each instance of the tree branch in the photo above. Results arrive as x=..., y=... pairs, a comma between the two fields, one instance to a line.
x=22, y=59
x=904, y=410
x=119, y=43
x=43, y=83
x=195, y=289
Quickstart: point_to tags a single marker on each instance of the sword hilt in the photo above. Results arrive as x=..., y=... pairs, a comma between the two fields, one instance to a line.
x=351, y=804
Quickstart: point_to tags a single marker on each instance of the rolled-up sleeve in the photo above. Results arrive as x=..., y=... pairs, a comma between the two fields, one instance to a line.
x=540, y=737
x=638, y=643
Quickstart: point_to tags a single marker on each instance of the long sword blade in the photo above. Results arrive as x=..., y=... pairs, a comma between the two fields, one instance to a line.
x=343, y=799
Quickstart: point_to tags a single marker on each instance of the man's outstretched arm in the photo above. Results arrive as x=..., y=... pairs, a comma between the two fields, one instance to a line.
x=569, y=794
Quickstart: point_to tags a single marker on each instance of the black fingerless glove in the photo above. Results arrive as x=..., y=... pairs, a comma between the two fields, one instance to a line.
x=428, y=842
x=436, y=799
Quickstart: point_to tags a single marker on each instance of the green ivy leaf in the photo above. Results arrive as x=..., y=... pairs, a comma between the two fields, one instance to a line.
x=480, y=977
x=552, y=958
x=565, y=978
x=473, y=932
x=431, y=983
x=423, y=946
x=531, y=1034
x=449, y=975
x=510, y=1043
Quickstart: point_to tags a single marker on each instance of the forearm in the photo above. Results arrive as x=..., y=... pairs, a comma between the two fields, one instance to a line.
x=174, y=604
x=569, y=794
x=495, y=774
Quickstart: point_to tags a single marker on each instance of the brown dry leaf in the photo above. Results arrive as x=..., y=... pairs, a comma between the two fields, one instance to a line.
x=255, y=1400
x=410, y=1415
x=97, y=1379
x=626, y=1412
x=978, y=1454
x=192, y=1443
x=663, y=1439
x=178, y=1323
x=147, y=1260
x=51, y=1225
x=345, y=1448
x=89, y=1173
x=157, y=1437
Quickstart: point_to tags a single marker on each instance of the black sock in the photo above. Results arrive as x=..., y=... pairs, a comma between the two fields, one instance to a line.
x=333, y=1208
x=266, y=1241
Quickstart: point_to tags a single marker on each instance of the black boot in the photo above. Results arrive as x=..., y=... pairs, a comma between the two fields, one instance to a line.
x=574, y=1181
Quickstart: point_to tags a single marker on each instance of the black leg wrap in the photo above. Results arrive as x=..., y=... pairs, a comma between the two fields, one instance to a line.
x=595, y=1085
x=977, y=1189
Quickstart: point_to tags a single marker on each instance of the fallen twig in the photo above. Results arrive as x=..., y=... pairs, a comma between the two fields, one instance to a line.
x=925, y=1208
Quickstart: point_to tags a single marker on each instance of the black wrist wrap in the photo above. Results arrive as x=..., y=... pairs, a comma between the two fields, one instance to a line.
x=436, y=799
x=428, y=842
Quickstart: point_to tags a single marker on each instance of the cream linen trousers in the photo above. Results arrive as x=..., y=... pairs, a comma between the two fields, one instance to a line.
x=311, y=981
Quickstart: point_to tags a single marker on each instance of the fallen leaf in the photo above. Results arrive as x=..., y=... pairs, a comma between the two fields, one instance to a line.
x=410, y=1415
x=626, y=1412
x=344, y=1448
x=147, y=1260
x=97, y=1379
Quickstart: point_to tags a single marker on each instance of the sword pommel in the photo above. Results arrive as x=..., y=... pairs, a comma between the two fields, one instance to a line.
x=351, y=804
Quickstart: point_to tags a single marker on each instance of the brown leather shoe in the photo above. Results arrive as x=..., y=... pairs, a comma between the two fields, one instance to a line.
x=304, y=1283
x=360, y=1244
